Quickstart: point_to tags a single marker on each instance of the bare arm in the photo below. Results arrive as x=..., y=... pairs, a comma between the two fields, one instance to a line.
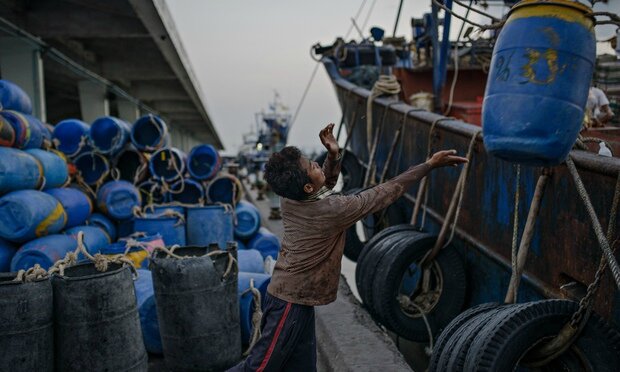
x=331, y=166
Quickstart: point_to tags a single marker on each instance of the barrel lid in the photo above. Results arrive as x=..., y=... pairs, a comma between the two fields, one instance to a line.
x=566, y=3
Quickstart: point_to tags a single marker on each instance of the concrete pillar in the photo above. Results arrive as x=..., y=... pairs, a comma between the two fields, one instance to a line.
x=93, y=100
x=21, y=63
x=127, y=110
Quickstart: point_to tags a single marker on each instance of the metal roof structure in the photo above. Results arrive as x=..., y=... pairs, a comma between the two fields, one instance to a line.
x=130, y=45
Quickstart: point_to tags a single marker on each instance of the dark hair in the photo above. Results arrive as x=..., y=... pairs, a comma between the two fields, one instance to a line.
x=285, y=175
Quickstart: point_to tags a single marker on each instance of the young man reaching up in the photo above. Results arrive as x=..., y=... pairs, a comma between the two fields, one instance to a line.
x=308, y=267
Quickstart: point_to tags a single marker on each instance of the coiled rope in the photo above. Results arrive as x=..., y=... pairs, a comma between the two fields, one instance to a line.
x=385, y=85
x=256, y=316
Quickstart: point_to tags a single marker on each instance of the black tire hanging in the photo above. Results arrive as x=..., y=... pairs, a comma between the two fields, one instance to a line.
x=448, y=275
x=439, y=349
x=503, y=343
x=351, y=170
x=353, y=243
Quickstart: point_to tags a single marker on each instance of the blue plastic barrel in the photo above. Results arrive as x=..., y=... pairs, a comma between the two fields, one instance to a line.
x=7, y=133
x=7, y=251
x=240, y=244
x=18, y=170
x=203, y=162
x=186, y=191
x=154, y=209
x=55, y=168
x=95, y=238
x=43, y=251
x=250, y=260
x=145, y=295
x=246, y=302
x=71, y=137
x=132, y=165
x=103, y=222
x=12, y=97
x=149, y=133
x=248, y=220
x=170, y=226
x=117, y=199
x=28, y=214
x=109, y=135
x=76, y=204
x=167, y=164
x=124, y=228
x=94, y=168
x=210, y=224
x=138, y=255
x=266, y=243
x=150, y=192
x=538, y=82
x=224, y=189
x=27, y=129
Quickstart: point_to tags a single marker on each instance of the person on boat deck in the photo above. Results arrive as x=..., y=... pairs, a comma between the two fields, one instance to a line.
x=598, y=113
x=308, y=267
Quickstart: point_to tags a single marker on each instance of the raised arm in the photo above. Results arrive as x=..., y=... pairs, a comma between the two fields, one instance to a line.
x=331, y=165
x=350, y=209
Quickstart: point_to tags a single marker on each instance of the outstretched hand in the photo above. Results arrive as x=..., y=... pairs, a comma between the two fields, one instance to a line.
x=446, y=158
x=328, y=140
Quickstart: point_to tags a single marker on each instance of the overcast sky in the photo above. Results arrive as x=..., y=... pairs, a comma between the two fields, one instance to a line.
x=243, y=50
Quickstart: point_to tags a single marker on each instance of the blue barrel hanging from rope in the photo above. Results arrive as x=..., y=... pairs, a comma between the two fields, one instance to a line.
x=7, y=133
x=103, y=222
x=109, y=135
x=44, y=251
x=7, y=251
x=266, y=243
x=28, y=129
x=197, y=308
x=154, y=209
x=28, y=214
x=186, y=191
x=171, y=226
x=12, y=97
x=94, y=168
x=145, y=295
x=55, y=170
x=167, y=165
x=132, y=165
x=18, y=170
x=95, y=238
x=117, y=199
x=203, y=162
x=124, y=228
x=76, y=204
x=210, y=224
x=250, y=260
x=225, y=189
x=27, y=327
x=149, y=133
x=538, y=82
x=248, y=220
x=246, y=300
x=96, y=317
x=71, y=137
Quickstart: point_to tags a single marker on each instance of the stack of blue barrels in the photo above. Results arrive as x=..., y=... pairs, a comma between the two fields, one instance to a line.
x=128, y=191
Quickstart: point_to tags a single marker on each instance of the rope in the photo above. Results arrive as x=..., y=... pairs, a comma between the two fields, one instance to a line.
x=456, y=59
x=596, y=225
x=101, y=261
x=405, y=301
x=32, y=274
x=386, y=84
x=357, y=15
x=370, y=9
x=492, y=26
x=422, y=188
x=43, y=182
x=256, y=316
x=60, y=265
x=229, y=267
x=303, y=96
x=515, y=231
x=115, y=174
x=370, y=173
x=454, y=207
x=139, y=173
x=520, y=256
